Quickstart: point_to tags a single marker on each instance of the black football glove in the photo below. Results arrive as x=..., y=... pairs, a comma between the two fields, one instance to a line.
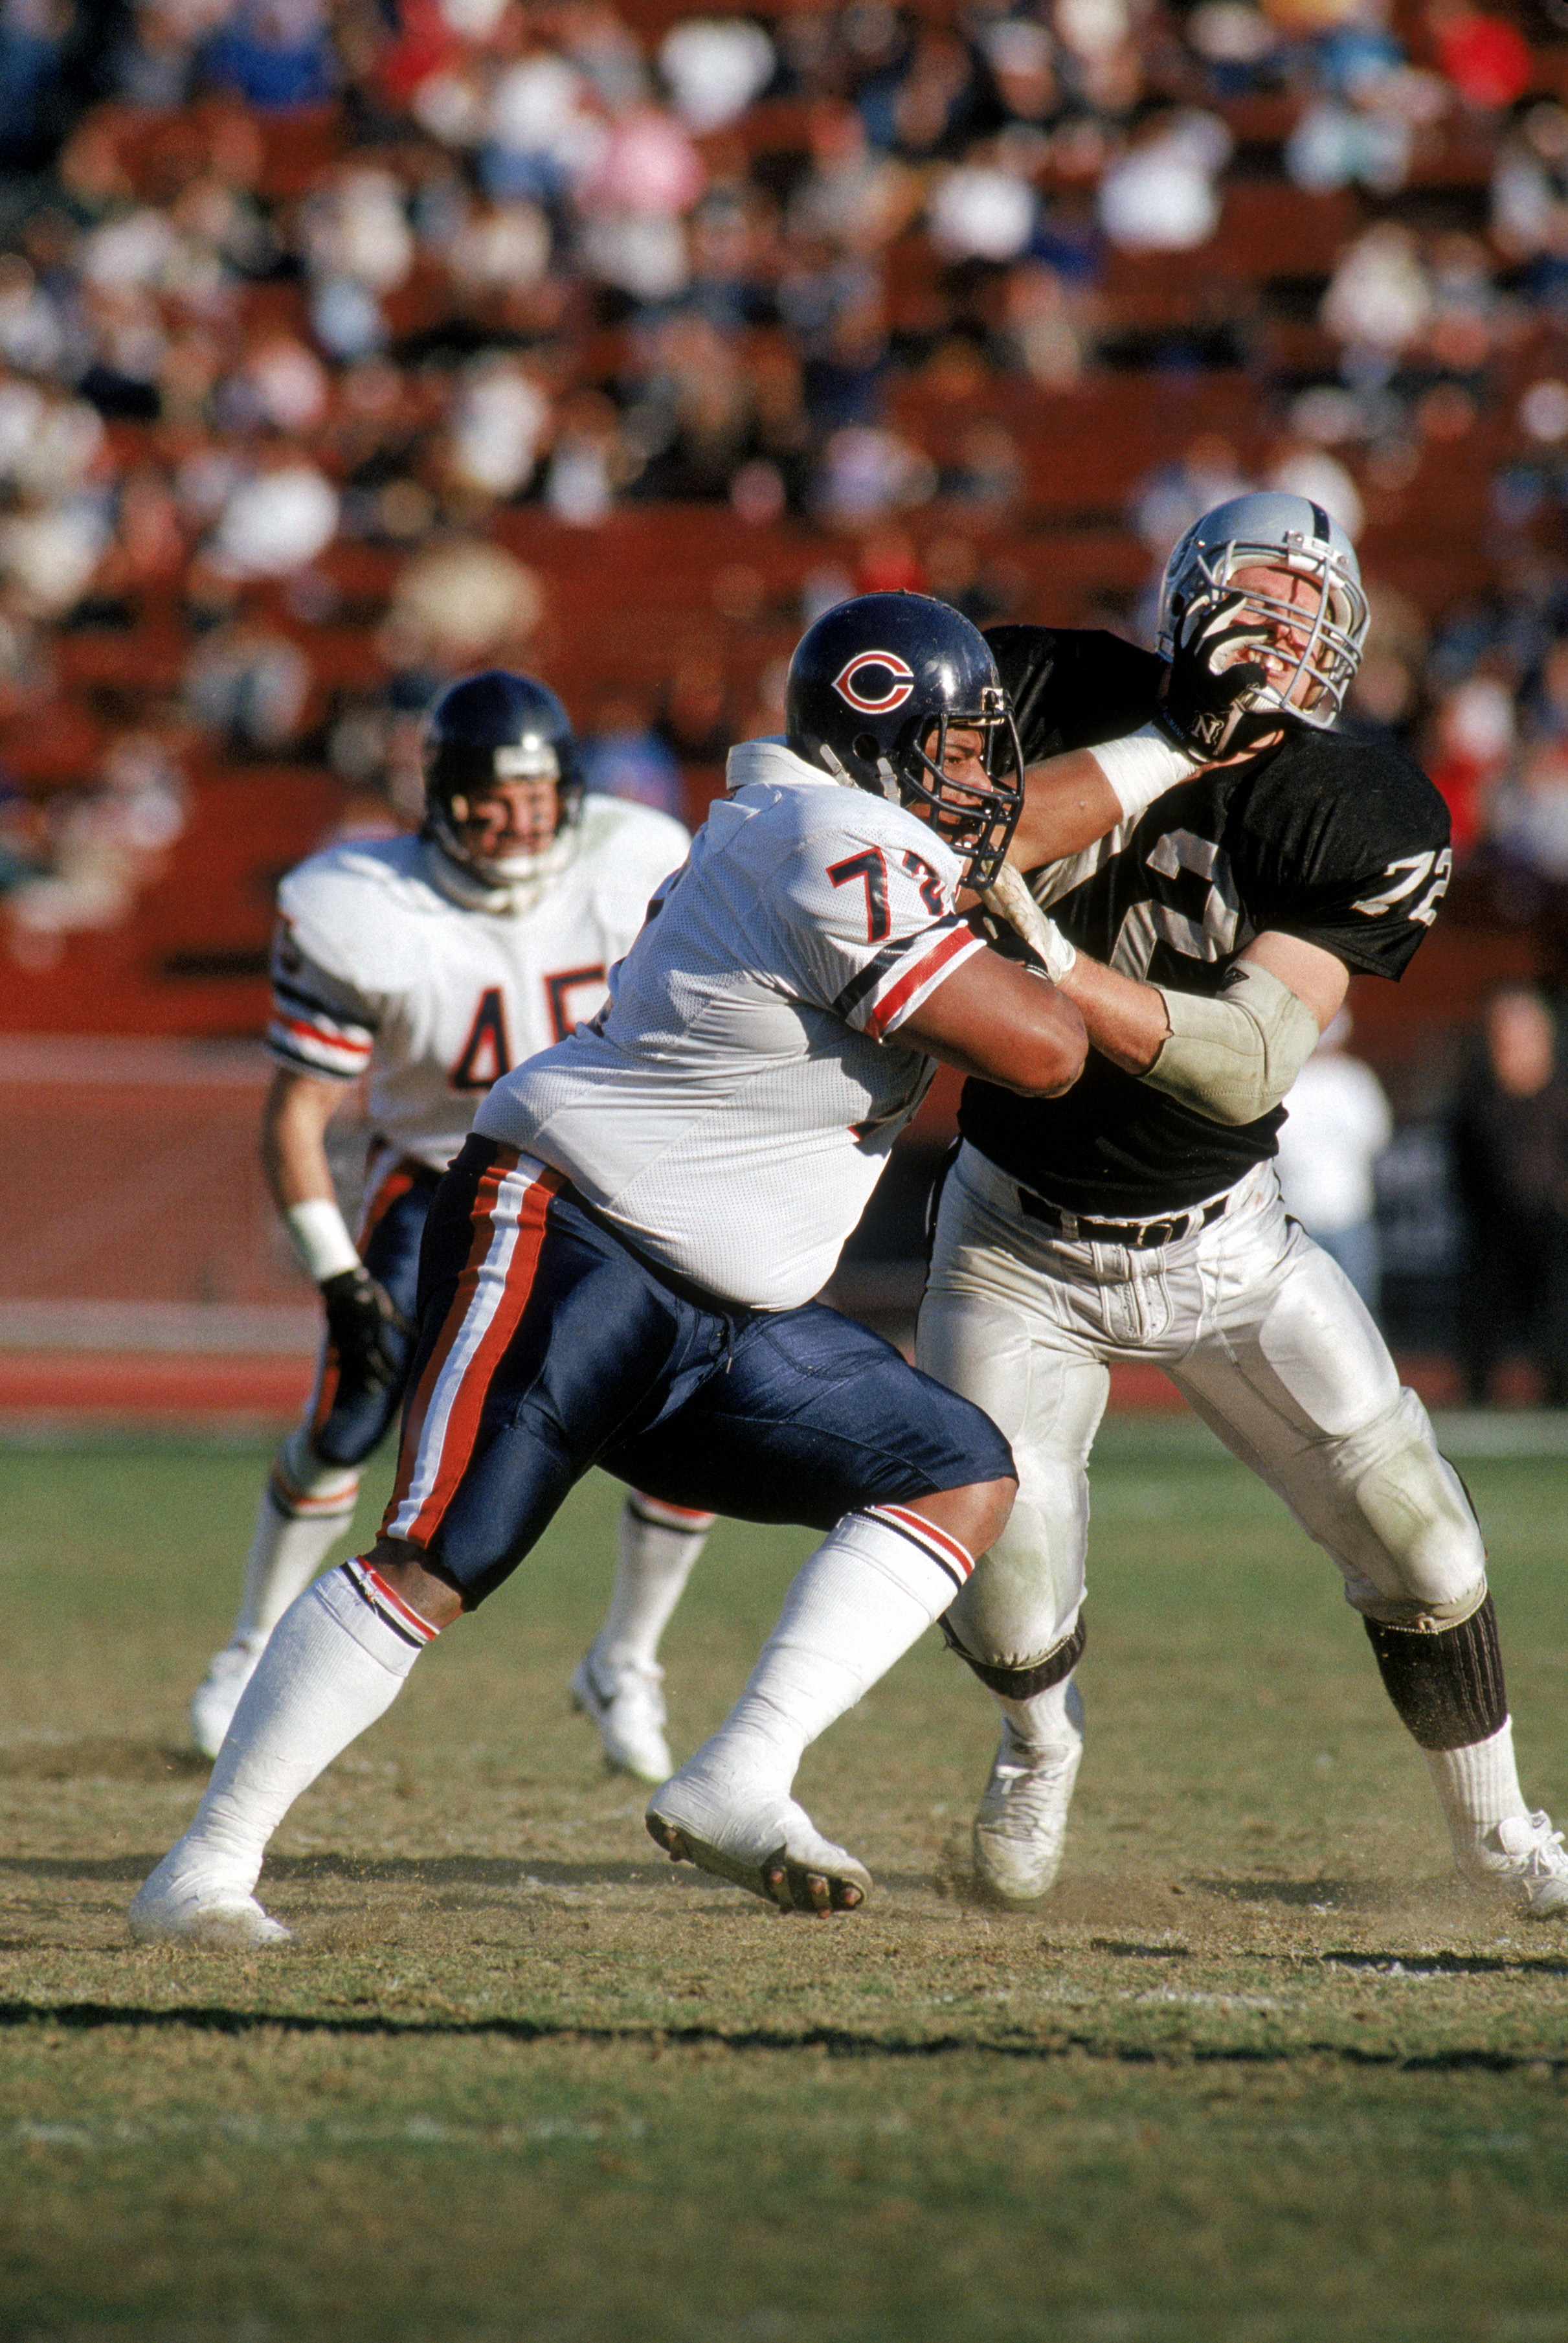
x=368, y=1332
x=1203, y=710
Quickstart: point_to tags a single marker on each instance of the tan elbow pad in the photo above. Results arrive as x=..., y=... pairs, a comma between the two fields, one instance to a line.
x=1233, y=1059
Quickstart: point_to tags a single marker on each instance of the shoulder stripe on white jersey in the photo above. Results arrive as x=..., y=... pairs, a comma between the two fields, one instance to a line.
x=308, y=1002
x=891, y=957
x=917, y=979
x=324, y=1053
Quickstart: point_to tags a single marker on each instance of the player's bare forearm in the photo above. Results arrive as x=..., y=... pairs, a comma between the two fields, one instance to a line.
x=1068, y=803
x=1125, y=1021
x=1313, y=975
x=996, y=1020
x=293, y=1137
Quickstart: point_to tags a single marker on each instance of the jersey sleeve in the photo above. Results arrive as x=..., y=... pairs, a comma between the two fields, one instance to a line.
x=1345, y=844
x=319, y=1024
x=868, y=928
x=1072, y=687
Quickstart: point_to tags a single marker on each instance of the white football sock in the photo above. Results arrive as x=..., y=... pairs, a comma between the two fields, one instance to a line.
x=304, y=1508
x=865, y=1595
x=1478, y=1786
x=659, y=1546
x=335, y=1663
x=1045, y=1720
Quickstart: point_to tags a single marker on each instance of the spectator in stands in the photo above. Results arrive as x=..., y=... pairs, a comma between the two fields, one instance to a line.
x=461, y=604
x=714, y=68
x=1047, y=325
x=1511, y=1159
x=18, y=853
x=102, y=845
x=1386, y=695
x=1171, y=497
x=1160, y=195
x=625, y=757
x=936, y=99
x=248, y=684
x=1337, y=1124
x=275, y=53
x=332, y=281
x=1471, y=746
x=1485, y=58
x=1371, y=104
x=1545, y=708
x=853, y=196
x=1527, y=816
x=696, y=720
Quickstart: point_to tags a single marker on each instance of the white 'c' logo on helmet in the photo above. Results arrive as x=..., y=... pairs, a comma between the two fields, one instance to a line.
x=869, y=669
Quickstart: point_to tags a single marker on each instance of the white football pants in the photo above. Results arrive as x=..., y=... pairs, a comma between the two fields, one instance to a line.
x=1266, y=1339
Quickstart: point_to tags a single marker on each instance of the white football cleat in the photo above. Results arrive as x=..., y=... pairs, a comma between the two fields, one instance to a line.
x=217, y=1696
x=773, y=1848
x=1021, y=1827
x=1522, y=1852
x=627, y=1706
x=183, y=1902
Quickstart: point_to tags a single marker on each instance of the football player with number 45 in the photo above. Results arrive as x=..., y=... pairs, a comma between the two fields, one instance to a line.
x=1253, y=859
x=432, y=965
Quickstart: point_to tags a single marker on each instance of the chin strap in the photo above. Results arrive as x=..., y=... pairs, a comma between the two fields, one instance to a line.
x=835, y=770
x=471, y=891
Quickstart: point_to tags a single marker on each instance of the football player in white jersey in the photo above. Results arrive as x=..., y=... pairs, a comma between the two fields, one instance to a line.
x=1142, y=1219
x=619, y=1266
x=431, y=966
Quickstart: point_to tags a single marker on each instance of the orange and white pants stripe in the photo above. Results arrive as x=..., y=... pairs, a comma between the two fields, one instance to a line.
x=441, y=1426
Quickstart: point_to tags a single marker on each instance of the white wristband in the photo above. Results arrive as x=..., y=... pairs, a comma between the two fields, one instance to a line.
x=321, y=1238
x=1141, y=767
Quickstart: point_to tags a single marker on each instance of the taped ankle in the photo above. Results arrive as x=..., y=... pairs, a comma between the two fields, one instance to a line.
x=1446, y=1685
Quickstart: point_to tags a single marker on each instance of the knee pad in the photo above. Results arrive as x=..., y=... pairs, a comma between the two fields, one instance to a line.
x=1037, y=1675
x=303, y=1483
x=1415, y=1507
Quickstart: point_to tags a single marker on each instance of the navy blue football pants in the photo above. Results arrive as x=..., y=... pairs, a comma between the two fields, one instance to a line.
x=547, y=1346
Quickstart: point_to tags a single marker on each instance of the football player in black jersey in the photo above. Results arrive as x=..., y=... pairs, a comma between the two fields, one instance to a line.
x=1138, y=1217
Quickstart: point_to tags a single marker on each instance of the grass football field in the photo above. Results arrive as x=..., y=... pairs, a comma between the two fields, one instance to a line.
x=1260, y=2069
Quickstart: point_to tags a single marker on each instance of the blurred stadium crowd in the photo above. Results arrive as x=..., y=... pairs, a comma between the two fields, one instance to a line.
x=341, y=347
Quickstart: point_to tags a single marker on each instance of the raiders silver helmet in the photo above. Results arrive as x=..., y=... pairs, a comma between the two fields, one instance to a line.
x=1284, y=532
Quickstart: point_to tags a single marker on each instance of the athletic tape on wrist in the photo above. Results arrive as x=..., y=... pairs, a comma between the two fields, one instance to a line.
x=1008, y=898
x=1141, y=767
x=321, y=1239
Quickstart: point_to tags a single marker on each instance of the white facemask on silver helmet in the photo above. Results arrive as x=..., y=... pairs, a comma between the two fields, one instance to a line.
x=1280, y=531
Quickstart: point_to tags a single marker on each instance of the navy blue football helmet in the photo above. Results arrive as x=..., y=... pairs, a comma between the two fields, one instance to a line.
x=873, y=691
x=490, y=727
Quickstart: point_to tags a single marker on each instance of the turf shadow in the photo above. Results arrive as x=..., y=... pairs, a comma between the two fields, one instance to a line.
x=1444, y=1965
x=101, y=1758
x=517, y=1872
x=87, y=2017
